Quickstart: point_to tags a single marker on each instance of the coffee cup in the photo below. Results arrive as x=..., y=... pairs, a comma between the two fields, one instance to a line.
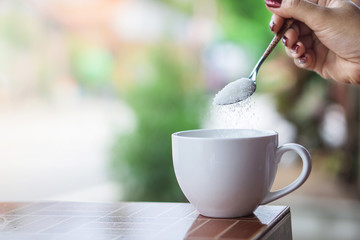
x=227, y=173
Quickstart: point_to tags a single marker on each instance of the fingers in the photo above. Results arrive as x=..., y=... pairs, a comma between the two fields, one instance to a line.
x=275, y=23
x=296, y=39
x=307, y=40
x=291, y=36
x=303, y=10
x=298, y=42
x=302, y=53
x=296, y=51
x=306, y=61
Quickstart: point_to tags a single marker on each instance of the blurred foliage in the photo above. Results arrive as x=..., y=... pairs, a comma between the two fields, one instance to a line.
x=245, y=22
x=15, y=30
x=185, y=6
x=166, y=103
x=305, y=104
x=92, y=66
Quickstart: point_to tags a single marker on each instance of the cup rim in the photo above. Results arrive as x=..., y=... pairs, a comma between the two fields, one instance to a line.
x=189, y=133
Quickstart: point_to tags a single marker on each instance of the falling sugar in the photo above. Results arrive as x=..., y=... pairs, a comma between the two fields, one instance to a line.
x=234, y=116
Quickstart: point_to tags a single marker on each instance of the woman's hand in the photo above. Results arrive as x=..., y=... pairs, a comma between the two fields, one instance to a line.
x=325, y=37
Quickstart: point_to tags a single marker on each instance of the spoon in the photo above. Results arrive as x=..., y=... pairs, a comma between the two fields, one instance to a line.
x=243, y=88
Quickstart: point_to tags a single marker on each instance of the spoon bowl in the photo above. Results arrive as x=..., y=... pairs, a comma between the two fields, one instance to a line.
x=235, y=91
x=243, y=88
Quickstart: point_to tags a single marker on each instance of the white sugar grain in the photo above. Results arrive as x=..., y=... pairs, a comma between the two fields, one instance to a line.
x=234, y=116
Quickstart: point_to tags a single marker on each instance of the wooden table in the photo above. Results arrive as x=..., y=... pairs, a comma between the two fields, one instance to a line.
x=135, y=220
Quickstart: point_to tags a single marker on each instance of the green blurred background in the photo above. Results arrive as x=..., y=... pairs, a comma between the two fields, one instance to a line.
x=155, y=65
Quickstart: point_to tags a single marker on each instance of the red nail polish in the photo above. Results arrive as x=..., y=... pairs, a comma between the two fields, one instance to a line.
x=272, y=25
x=295, y=48
x=273, y=3
x=284, y=41
x=302, y=59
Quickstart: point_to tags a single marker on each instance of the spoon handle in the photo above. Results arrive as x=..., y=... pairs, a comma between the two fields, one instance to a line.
x=287, y=24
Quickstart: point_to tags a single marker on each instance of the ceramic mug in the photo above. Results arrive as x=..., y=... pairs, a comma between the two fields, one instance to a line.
x=228, y=173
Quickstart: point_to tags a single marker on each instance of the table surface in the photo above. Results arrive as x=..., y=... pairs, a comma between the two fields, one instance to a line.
x=129, y=220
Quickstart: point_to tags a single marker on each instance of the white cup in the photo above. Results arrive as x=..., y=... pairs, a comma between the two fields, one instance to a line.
x=228, y=173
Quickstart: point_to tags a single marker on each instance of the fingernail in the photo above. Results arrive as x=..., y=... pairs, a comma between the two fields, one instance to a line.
x=284, y=41
x=295, y=48
x=272, y=25
x=302, y=59
x=273, y=3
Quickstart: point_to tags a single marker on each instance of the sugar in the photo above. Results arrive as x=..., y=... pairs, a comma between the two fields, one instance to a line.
x=233, y=106
x=235, y=91
x=234, y=116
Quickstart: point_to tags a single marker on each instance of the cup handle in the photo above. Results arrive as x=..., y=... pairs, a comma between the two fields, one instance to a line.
x=306, y=169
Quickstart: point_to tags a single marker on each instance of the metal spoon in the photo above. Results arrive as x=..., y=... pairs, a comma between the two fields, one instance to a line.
x=243, y=88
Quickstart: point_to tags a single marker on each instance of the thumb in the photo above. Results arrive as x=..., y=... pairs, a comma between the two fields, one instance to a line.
x=305, y=11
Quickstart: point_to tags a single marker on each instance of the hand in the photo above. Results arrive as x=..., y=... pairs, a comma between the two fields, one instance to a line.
x=325, y=37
